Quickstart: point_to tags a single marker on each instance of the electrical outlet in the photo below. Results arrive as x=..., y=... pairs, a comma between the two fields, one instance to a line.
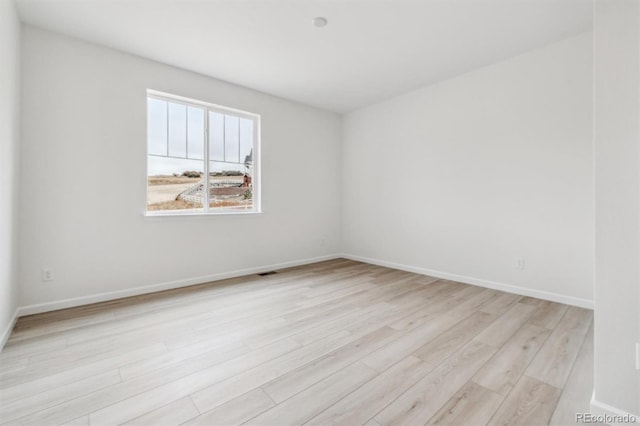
x=637, y=356
x=518, y=263
x=322, y=241
x=47, y=274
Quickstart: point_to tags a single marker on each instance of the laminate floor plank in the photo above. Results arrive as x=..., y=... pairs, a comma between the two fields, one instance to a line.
x=364, y=403
x=308, y=331
x=73, y=374
x=577, y=391
x=448, y=306
x=175, y=378
x=471, y=405
x=80, y=421
x=156, y=397
x=337, y=342
x=306, y=404
x=547, y=314
x=504, y=327
x=448, y=342
x=172, y=414
x=531, y=403
x=236, y=411
x=554, y=361
x=222, y=392
x=21, y=407
x=452, y=327
x=423, y=400
x=205, y=348
x=501, y=303
x=503, y=370
x=293, y=382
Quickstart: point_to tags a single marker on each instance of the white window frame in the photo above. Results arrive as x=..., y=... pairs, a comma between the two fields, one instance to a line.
x=255, y=178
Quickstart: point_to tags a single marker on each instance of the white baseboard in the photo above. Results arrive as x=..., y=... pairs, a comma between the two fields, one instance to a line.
x=539, y=294
x=112, y=295
x=7, y=331
x=119, y=294
x=599, y=408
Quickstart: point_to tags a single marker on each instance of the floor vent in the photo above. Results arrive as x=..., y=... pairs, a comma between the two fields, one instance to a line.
x=264, y=274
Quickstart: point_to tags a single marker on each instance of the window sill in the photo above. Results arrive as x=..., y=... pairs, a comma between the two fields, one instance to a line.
x=191, y=214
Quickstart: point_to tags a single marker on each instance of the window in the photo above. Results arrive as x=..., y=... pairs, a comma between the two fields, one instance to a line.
x=201, y=158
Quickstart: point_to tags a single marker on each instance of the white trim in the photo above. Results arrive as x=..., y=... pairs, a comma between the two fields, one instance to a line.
x=112, y=295
x=600, y=408
x=7, y=331
x=187, y=213
x=208, y=108
x=554, y=297
x=164, y=96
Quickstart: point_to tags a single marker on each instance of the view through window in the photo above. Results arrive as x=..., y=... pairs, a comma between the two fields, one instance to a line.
x=200, y=158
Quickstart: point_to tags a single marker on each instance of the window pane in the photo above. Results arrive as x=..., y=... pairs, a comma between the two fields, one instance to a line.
x=177, y=155
x=231, y=138
x=195, y=142
x=216, y=136
x=177, y=130
x=246, y=140
x=230, y=186
x=156, y=126
x=174, y=184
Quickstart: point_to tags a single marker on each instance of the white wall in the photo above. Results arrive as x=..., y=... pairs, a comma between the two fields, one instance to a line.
x=459, y=178
x=9, y=139
x=83, y=174
x=617, y=202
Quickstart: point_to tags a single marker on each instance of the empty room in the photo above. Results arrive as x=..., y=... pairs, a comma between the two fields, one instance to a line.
x=319, y=212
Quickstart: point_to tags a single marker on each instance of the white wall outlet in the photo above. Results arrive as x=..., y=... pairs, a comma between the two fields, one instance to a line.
x=518, y=263
x=323, y=241
x=637, y=356
x=47, y=274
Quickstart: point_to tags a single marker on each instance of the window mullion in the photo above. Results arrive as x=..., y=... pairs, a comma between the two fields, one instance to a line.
x=168, y=151
x=186, y=132
x=206, y=162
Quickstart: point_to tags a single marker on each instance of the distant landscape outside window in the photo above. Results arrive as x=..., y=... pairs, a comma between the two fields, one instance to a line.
x=199, y=159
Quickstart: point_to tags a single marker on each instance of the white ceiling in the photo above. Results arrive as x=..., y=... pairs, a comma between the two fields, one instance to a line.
x=369, y=51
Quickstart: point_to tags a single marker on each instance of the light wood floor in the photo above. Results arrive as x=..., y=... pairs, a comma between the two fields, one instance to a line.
x=338, y=342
